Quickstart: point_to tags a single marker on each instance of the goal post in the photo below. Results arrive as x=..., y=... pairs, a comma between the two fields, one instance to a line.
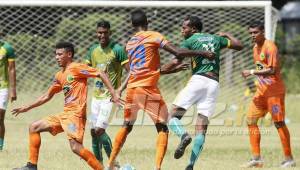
x=34, y=26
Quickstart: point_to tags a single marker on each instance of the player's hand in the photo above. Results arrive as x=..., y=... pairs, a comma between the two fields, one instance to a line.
x=246, y=73
x=116, y=98
x=181, y=67
x=19, y=110
x=119, y=91
x=209, y=55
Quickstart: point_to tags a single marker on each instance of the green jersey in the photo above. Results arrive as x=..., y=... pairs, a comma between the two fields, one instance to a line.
x=206, y=42
x=109, y=60
x=6, y=54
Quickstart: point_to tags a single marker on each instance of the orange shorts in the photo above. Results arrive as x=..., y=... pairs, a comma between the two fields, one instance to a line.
x=261, y=105
x=148, y=99
x=67, y=122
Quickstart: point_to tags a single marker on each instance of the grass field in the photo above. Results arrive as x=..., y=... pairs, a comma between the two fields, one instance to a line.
x=226, y=147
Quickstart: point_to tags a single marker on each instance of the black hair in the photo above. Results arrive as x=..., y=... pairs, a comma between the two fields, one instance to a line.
x=194, y=22
x=103, y=24
x=257, y=24
x=65, y=45
x=139, y=18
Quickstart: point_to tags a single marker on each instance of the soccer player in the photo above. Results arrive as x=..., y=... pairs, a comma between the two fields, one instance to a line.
x=269, y=96
x=109, y=57
x=142, y=90
x=7, y=83
x=202, y=87
x=72, y=80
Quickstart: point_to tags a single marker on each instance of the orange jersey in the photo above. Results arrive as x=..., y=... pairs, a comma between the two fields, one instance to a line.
x=144, y=58
x=266, y=57
x=73, y=82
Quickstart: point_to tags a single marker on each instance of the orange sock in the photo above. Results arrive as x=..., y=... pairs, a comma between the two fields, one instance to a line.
x=161, y=148
x=118, y=143
x=34, y=147
x=284, y=135
x=90, y=159
x=254, y=135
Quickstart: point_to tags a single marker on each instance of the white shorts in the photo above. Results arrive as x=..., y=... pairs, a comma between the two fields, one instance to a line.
x=3, y=98
x=200, y=90
x=100, y=113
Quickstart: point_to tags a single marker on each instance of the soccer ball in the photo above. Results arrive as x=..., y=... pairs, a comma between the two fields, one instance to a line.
x=127, y=167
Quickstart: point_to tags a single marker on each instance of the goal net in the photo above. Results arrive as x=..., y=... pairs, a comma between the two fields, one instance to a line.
x=33, y=28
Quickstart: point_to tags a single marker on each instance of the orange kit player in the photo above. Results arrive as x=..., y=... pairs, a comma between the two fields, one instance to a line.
x=142, y=90
x=72, y=80
x=269, y=96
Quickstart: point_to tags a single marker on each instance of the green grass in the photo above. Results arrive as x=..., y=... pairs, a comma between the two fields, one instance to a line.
x=224, y=148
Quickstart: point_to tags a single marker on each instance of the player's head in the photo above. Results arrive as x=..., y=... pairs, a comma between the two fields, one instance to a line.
x=103, y=32
x=64, y=52
x=257, y=31
x=139, y=19
x=191, y=25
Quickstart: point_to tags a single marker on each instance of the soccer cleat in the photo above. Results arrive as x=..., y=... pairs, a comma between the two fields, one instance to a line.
x=186, y=139
x=254, y=163
x=189, y=167
x=288, y=163
x=29, y=166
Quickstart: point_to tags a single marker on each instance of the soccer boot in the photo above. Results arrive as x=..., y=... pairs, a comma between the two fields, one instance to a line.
x=288, y=163
x=186, y=139
x=254, y=163
x=189, y=167
x=29, y=166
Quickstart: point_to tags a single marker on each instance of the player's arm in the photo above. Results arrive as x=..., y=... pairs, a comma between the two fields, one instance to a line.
x=115, y=97
x=12, y=80
x=234, y=43
x=175, y=65
x=181, y=52
x=40, y=101
x=264, y=72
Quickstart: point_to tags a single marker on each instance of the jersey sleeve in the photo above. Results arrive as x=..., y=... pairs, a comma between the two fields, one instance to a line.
x=9, y=52
x=272, y=56
x=121, y=54
x=55, y=87
x=160, y=40
x=84, y=71
x=224, y=42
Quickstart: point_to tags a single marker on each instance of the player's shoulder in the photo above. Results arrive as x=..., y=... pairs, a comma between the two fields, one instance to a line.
x=94, y=46
x=116, y=46
x=6, y=45
x=270, y=44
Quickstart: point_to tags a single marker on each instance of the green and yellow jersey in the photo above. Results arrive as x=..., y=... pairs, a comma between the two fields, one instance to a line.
x=206, y=42
x=109, y=60
x=6, y=54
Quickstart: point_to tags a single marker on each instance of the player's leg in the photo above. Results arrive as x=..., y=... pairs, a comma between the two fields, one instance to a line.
x=130, y=115
x=277, y=109
x=101, y=125
x=258, y=108
x=2, y=128
x=85, y=154
x=35, y=142
x=96, y=145
x=3, y=106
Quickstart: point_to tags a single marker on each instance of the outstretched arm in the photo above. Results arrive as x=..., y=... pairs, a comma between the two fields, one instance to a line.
x=181, y=52
x=174, y=66
x=234, y=42
x=41, y=100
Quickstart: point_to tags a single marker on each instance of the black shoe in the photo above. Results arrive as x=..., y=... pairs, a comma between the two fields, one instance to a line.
x=189, y=167
x=29, y=166
x=186, y=139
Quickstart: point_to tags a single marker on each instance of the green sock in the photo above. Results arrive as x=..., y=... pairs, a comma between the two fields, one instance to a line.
x=197, y=148
x=105, y=140
x=176, y=126
x=97, y=147
x=1, y=143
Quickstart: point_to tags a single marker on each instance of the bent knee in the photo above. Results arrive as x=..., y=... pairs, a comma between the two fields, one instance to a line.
x=279, y=124
x=252, y=121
